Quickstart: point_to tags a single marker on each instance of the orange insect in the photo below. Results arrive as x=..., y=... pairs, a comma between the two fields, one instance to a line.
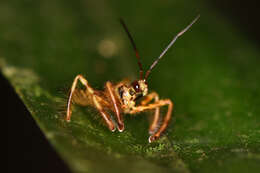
x=121, y=97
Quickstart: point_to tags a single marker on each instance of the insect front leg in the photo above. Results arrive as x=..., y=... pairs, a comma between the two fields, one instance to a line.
x=112, y=96
x=155, y=122
x=166, y=118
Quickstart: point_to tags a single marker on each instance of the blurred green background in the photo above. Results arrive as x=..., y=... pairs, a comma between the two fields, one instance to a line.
x=212, y=74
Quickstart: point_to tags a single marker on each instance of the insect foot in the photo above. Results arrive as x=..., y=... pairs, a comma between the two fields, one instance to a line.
x=121, y=127
x=153, y=138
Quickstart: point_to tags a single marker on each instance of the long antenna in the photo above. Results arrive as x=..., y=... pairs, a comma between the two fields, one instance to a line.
x=134, y=46
x=171, y=43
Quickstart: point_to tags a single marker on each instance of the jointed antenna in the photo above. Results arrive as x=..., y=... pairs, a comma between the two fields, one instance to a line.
x=171, y=43
x=134, y=46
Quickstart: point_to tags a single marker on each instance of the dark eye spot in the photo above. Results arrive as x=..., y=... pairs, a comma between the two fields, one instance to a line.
x=136, y=86
x=121, y=91
x=131, y=92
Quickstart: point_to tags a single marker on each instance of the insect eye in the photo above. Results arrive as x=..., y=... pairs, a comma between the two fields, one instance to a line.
x=136, y=86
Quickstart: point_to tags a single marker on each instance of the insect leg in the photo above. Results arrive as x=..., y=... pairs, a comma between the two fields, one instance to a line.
x=166, y=118
x=95, y=98
x=104, y=115
x=120, y=122
x=73, y=88
x=155, y=122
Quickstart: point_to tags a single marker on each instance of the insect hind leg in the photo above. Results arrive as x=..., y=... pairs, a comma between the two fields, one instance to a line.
x=73, y=89
x=90, y=93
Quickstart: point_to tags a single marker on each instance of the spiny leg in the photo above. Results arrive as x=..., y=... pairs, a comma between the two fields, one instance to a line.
x=120, y=122
x=166, y=118
x=106, y=117
x=155, y=122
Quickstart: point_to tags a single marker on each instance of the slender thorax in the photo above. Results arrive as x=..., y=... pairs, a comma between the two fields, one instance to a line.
x=120, y=98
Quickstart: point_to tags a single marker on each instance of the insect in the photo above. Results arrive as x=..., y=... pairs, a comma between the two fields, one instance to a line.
x=121, y=98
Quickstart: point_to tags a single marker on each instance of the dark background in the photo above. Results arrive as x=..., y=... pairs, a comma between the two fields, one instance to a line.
x=29, y=142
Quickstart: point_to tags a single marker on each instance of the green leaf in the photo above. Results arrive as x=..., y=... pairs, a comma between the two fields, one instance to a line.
x=212, y=74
